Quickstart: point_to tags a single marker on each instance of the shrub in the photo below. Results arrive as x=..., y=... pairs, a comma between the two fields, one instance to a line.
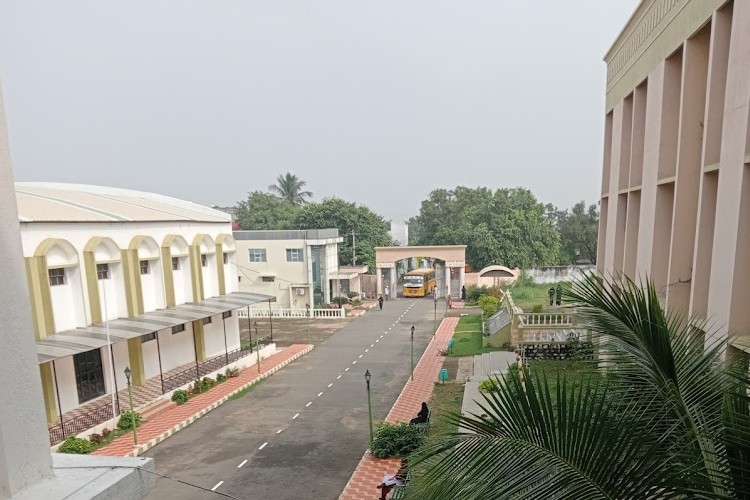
x=197, y=386
x=180, y=397
x=489, y=385
x=105, y=433
x=356, y=302
x=220, y=378
x=537, y=308
x=232, y=372
x=95, y=438
x=76, y=445
x=207, y=383
x=351, y=295
x=396, y=440
x=245, y=346
x=489, y=304
x=524, y=280
x=126, y=420
x=339, y=301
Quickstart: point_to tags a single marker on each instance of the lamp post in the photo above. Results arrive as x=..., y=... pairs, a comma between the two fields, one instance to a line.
x=130, y=400
x=308, y=323
x=369, y=403
x=434, y=317
x=412, y=353
x=257, y=344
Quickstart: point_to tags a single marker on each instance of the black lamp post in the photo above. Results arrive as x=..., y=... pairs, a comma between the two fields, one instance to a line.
x=308, y=323
x=434, y=317
x=130, y=399
x=412, y=352
x=257, y=344
x=369, y=403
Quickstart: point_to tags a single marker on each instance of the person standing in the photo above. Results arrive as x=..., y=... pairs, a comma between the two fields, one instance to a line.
x=558, y=295
x=387, y=294
x=380, y=302
x=463, y=293
x=551, y=295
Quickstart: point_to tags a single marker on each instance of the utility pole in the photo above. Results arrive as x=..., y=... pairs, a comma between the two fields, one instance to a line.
x=354, y=248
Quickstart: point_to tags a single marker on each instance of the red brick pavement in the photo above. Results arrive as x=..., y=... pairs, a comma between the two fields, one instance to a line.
x=370, y=471
x=174, y=418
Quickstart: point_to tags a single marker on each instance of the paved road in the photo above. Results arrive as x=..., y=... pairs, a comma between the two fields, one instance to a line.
x=302, y=431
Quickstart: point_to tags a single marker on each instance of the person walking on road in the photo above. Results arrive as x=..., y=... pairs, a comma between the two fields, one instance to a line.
x=387, y=294
x=380, y=302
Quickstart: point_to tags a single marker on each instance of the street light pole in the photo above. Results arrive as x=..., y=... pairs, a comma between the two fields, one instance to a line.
x=369, y=403
x=434, y=317
x=257, y=345
x=412, y=353
x=132, y=410
x=308, y=323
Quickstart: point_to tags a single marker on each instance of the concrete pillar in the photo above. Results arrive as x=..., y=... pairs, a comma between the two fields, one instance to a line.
x=461, y=279
x=379, y=291
x=447, y=281
x=25, y=457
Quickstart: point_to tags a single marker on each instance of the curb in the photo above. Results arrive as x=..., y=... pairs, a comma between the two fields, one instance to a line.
x=158, y=439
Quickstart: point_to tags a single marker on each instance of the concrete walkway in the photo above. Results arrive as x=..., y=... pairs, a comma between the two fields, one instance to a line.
x=486, y=365
x=175, y=418
x=370, y=471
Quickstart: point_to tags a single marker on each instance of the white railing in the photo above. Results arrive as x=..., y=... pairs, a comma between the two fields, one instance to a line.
x=293, y=313
x=545, y=319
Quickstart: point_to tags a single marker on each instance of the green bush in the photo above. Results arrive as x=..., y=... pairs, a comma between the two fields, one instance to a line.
x=524, y=280
x=489, y=385
x=537, y=308
x=396, y=441
x=76, y=445
x=489, y=304
x=339, y=301
x=220, y=378
x=126, y=420
x=180, y=397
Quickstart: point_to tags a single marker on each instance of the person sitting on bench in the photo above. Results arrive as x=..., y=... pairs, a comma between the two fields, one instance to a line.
x=422, y=416
x=390, y=481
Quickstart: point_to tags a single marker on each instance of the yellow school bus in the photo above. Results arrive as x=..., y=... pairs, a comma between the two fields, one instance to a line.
x=419, y=282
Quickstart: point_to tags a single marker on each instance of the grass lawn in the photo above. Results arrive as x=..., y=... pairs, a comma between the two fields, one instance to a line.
x=446, y=398
x=468, y=337
x=527, y=297
x=573, y=371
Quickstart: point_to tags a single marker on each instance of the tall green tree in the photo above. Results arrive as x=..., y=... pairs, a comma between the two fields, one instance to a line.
x=507, y=226
x=370, y=229
x=670, y=420
x=265, y=211
x=288, y=187
x=579, y=229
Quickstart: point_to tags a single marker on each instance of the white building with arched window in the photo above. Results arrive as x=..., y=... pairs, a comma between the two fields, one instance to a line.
x=121, y=278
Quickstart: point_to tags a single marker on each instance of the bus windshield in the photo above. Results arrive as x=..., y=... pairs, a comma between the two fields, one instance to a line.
x=413, y=280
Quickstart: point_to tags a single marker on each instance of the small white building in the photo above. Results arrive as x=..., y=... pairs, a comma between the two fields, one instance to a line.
x=297, y=267
x=121, y=278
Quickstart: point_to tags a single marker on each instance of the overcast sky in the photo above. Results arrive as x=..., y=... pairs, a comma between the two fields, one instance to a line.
x=375, y=102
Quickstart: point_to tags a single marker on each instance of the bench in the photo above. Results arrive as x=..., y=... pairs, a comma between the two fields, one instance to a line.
x=423, y=426
x=400, y=489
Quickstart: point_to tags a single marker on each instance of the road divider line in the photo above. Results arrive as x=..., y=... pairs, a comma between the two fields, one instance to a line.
x=347, y=369
x=263, y=445
x=243, y=463
x=295, y=416
x=320, y=393
x=338, y=377
x=360, y=356
x=354, y=362
x=329, y=385
x=308, y=404
x=217, y=485
x=278, y=432
x=367, y=350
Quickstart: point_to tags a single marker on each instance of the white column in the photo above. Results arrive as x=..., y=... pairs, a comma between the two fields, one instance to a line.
x=461, y=277
x=379, y=274
x=447, y=281
x=25, y=456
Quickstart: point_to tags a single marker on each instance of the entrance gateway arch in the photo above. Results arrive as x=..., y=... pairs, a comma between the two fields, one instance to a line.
x=454, y=262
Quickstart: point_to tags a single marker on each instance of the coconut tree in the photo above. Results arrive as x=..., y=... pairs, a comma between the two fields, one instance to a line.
x=663, y=417
x=288, y=187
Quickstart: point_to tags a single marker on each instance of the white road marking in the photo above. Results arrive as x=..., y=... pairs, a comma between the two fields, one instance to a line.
x=367, y=350
x=295, y=416
x=381, y=336
x=354, y=362
x=263, y=445
x=244, y=462
x=217, y=485
x=308, y=404
x=338, y=377
x=347, y=369
x=360, y=356
x=329, y=385
x=320, y=393
x=372, y=345
x=377, y=340
x=278, y=432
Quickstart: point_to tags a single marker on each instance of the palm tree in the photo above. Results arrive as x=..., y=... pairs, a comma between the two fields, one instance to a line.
x=665, y=418
x=289, y=187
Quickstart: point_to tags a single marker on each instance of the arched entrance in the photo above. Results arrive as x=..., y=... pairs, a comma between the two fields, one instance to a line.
x=453, y=257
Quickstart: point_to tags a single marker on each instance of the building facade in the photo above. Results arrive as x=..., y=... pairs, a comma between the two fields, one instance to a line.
x=118, y=279
x=675, y=202
x=298, y=267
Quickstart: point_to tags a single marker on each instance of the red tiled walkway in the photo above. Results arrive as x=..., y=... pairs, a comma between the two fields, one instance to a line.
x=172, y=419
x=370, y=471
